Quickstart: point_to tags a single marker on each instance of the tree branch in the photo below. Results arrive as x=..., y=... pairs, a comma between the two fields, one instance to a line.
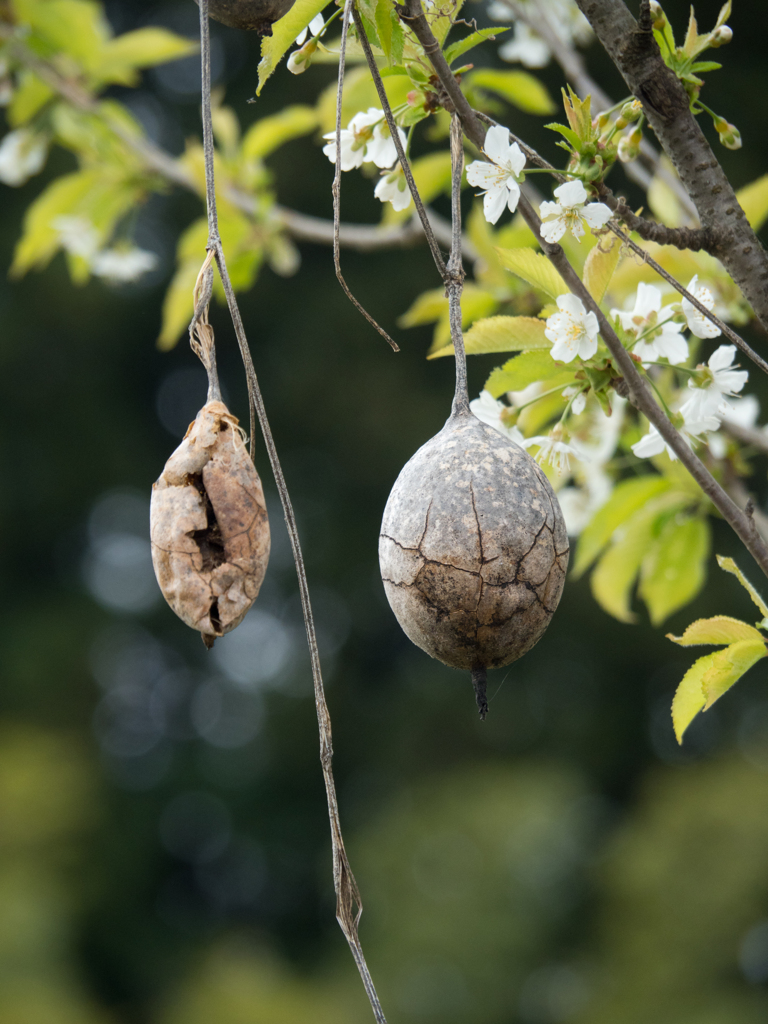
x=639, y=393
x=633, y=50
x=653, y=231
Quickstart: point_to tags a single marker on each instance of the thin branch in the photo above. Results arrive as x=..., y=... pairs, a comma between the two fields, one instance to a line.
x=639, y=392
x=347, y=893
x=437, y=256
x=746, y=435
x=454, y=272
x=653, y=231
x=336, y=188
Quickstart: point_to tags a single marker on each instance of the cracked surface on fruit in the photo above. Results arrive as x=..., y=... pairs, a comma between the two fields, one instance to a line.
x=473, y=547
x=209, y=526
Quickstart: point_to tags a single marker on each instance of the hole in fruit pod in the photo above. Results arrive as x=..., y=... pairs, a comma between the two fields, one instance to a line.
x=209, y=540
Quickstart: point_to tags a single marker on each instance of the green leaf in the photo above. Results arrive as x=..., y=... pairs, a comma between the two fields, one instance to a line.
x=31, y=95
x=146, y=47
x=284, y=32
x=426, y=308
x=75, y=28
x=705, y=65
x=535, y=269
x=720, y=629
x=383, y=19
x=628, y=497
x=728, y=666
x=615, y=573
x=99, y=198
x=729, y=565
x=600, y=267
x=518, y=87
x=754, y=201
x=567, y=133
x=526, y=369
x=501, y=334
x=675, y=568
x=469, y=42
x=268, y=134
x=689, y=698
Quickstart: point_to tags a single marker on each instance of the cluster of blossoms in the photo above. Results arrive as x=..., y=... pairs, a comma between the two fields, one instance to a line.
x=580, y=453
x=80, y=238
x=367, y=139
x=563, y=20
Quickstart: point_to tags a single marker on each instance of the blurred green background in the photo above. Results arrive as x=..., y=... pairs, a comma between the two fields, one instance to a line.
x=164, y=842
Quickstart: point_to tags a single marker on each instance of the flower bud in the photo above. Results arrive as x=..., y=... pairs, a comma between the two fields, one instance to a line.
x=629, y=146
x=731, y=138
x=631, y=111
x=658, y=16
x=722, y=36
x=299, y=60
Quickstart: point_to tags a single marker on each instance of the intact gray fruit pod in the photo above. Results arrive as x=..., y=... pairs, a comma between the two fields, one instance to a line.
x=251, y=15
x=209, y=527
x=473, y=549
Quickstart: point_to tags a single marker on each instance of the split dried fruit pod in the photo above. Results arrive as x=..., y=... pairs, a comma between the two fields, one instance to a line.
x=209, y=526
x=251, y=15
x=473, y=549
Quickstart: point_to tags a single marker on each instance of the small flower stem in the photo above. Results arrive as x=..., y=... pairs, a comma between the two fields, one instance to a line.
x=659, y=395
x=538, y=398
x=455, y=272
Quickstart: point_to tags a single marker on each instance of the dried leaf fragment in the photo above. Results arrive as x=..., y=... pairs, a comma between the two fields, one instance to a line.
x=209, y=526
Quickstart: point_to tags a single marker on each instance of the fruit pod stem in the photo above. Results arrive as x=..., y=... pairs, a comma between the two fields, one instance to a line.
x=454, y=273
x=479, y=678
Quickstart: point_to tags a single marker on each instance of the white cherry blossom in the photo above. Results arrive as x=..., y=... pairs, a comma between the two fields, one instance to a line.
x=122, y=266
x=365, y=139
x=579, y=503
x=393, y=188
x=77, y=235
x=22, y=154
x=572, y=331
x=554, y=451
x=698, y=324
x=490, y=411
x=662, y=337
x=525, y=46
x=316, y=26
x=499, y=178
x=696, y=421
x=571, y=212
x=716, y=380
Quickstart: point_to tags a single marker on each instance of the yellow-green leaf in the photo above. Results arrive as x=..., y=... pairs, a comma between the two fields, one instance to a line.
x=31, y=95
x=143, y=48
x=675, y=568
x=535, y=269
x=729, y=565
x=75, y=28
x=720, y=629
x=728, y=666
x=689, y=697
x=284, y=32
x=501, y=334
x=754, y=201
x=525, y=369
x=615, y=573
x=522, y=89
x=600, y=266
x=627, y=498
x=268, y=134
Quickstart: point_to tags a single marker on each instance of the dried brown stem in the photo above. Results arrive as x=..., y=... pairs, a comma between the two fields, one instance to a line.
x=454, y=272
x=347, y=893
x=639, y=393
x=336, y=188
x=385, y=106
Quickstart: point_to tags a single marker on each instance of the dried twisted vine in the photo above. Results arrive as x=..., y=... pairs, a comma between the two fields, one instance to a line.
x=347, y=893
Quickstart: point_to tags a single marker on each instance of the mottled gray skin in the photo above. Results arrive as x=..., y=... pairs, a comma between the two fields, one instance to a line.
x=253, y=15
x=473, y=547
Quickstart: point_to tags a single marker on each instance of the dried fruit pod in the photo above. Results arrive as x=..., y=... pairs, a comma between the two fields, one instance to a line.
x=252, y=15
x=473, y=549
x=209, y=526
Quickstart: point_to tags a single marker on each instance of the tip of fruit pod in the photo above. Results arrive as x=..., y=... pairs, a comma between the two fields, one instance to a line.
x=208, y=639
x=479, y=676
